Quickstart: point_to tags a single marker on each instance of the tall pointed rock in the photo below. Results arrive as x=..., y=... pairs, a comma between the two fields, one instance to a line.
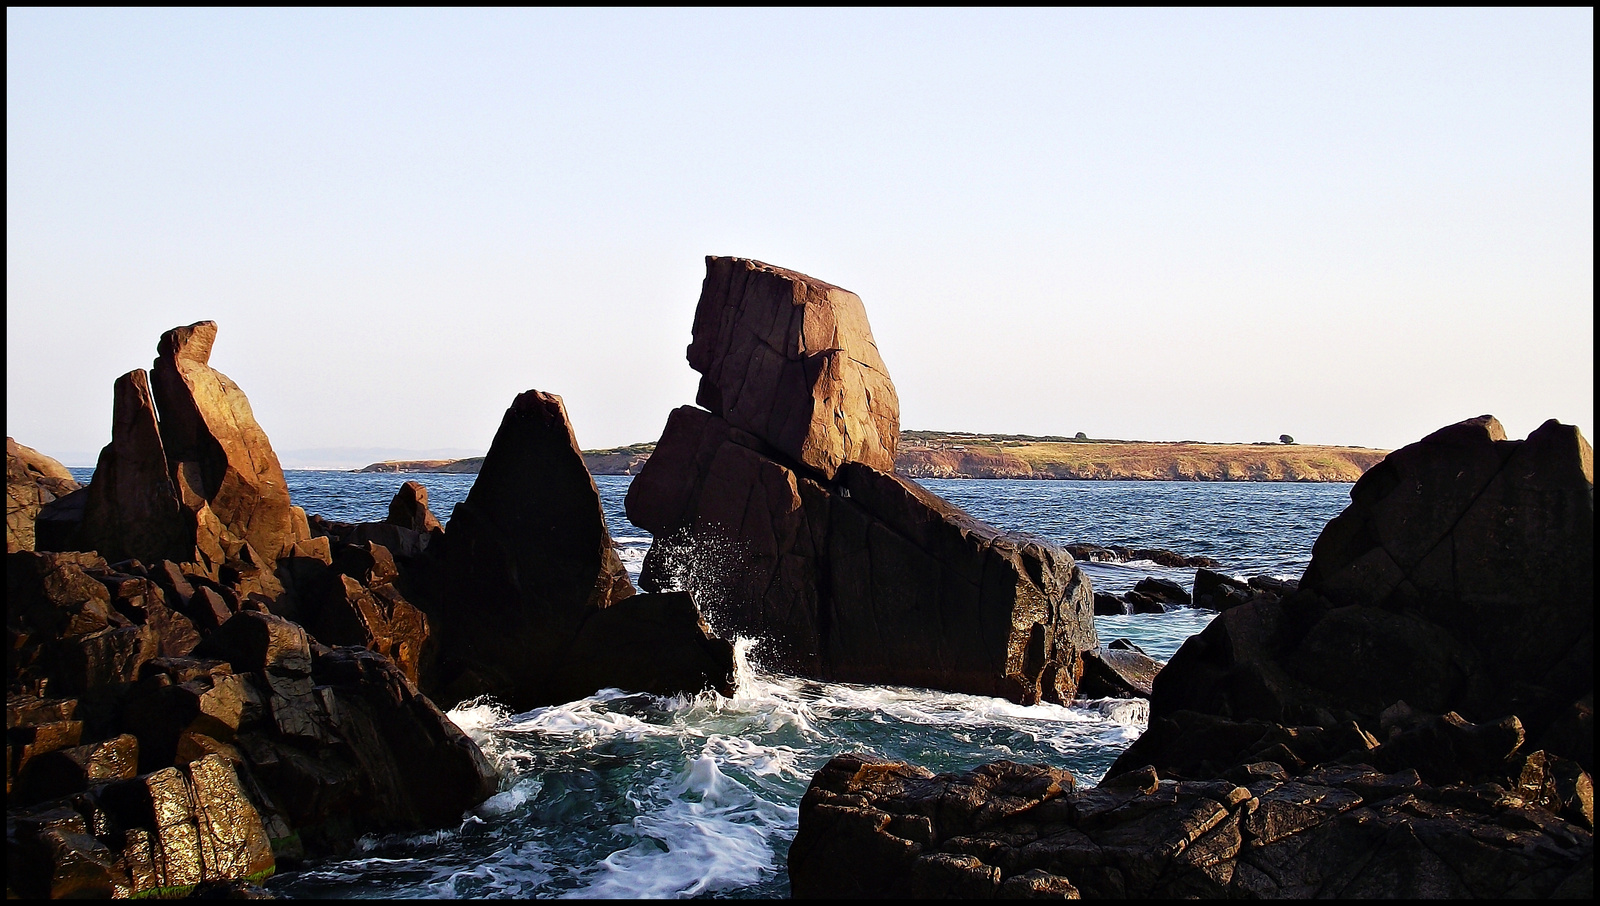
x=206, y=420
x=132, y=508
x=533, y=604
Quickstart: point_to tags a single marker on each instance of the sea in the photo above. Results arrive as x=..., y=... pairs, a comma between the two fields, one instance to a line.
x=627, y=795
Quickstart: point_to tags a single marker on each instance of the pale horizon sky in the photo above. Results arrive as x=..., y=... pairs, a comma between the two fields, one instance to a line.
x=1353, y=227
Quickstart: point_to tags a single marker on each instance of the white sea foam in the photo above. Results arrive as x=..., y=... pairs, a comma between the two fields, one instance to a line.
x=516, y=871
x=521, y=792
x=1132, y=713
x=476, y=716
x=635, y=796
x=704, y=832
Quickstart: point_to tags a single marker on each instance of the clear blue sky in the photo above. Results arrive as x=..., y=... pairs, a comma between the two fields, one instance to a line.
x=1349, y=226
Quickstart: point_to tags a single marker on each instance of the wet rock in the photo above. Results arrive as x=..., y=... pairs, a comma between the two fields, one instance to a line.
x=1113, y=672
x=1139, y=602
x=1215, y=591
x=867, y=579
x=1109, y=605
x=1164, y=590
x=1279, y=587
x=416, y=768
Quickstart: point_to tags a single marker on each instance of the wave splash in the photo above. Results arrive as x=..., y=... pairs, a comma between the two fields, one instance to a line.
x=629, y=795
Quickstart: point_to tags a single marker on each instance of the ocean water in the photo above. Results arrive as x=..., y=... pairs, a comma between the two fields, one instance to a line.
x=629, y=795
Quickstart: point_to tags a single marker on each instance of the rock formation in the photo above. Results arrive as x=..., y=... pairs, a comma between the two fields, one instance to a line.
x=1461, y=578
x=533, y=604
x=779, y=510
x=201, y=484
x=168, y=729
x=1449, y=609
x=133, y=508
x=791, y=360
x=206, y=421
x=409, y=509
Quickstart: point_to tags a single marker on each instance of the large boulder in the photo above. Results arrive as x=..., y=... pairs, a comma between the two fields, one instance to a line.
x=1460, y=579
x=528, y=566
x=791, y=360
x=206, y=421
x=786, y=522
x=33, y=481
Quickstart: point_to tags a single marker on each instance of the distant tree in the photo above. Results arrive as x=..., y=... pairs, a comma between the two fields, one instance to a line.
x=1285, y=439
x=1080, y=436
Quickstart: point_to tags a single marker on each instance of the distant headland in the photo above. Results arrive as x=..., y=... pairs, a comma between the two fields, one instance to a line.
x=956, y=454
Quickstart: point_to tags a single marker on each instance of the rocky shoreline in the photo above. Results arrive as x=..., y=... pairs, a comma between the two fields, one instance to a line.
x=1413, y=719
x=205, y=683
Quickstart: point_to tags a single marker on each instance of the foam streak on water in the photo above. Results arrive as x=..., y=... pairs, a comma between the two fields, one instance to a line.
x=629, y=795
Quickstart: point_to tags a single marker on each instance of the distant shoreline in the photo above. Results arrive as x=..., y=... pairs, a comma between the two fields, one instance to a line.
x=931, y=454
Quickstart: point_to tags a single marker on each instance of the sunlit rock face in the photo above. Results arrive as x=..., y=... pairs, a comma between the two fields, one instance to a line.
x=791, y=360
x=777, y=506
x=207, y=421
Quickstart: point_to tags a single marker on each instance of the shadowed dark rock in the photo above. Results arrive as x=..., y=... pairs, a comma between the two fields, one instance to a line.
x=409, y=509
x=529, y=565
x=1164, y=590
x=869, y=578
x=1460, y=578
x=132, y=508
x=1215, y=591
x=871, y=828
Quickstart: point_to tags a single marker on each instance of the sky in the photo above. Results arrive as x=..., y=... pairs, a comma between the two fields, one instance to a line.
x=1353, y=227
